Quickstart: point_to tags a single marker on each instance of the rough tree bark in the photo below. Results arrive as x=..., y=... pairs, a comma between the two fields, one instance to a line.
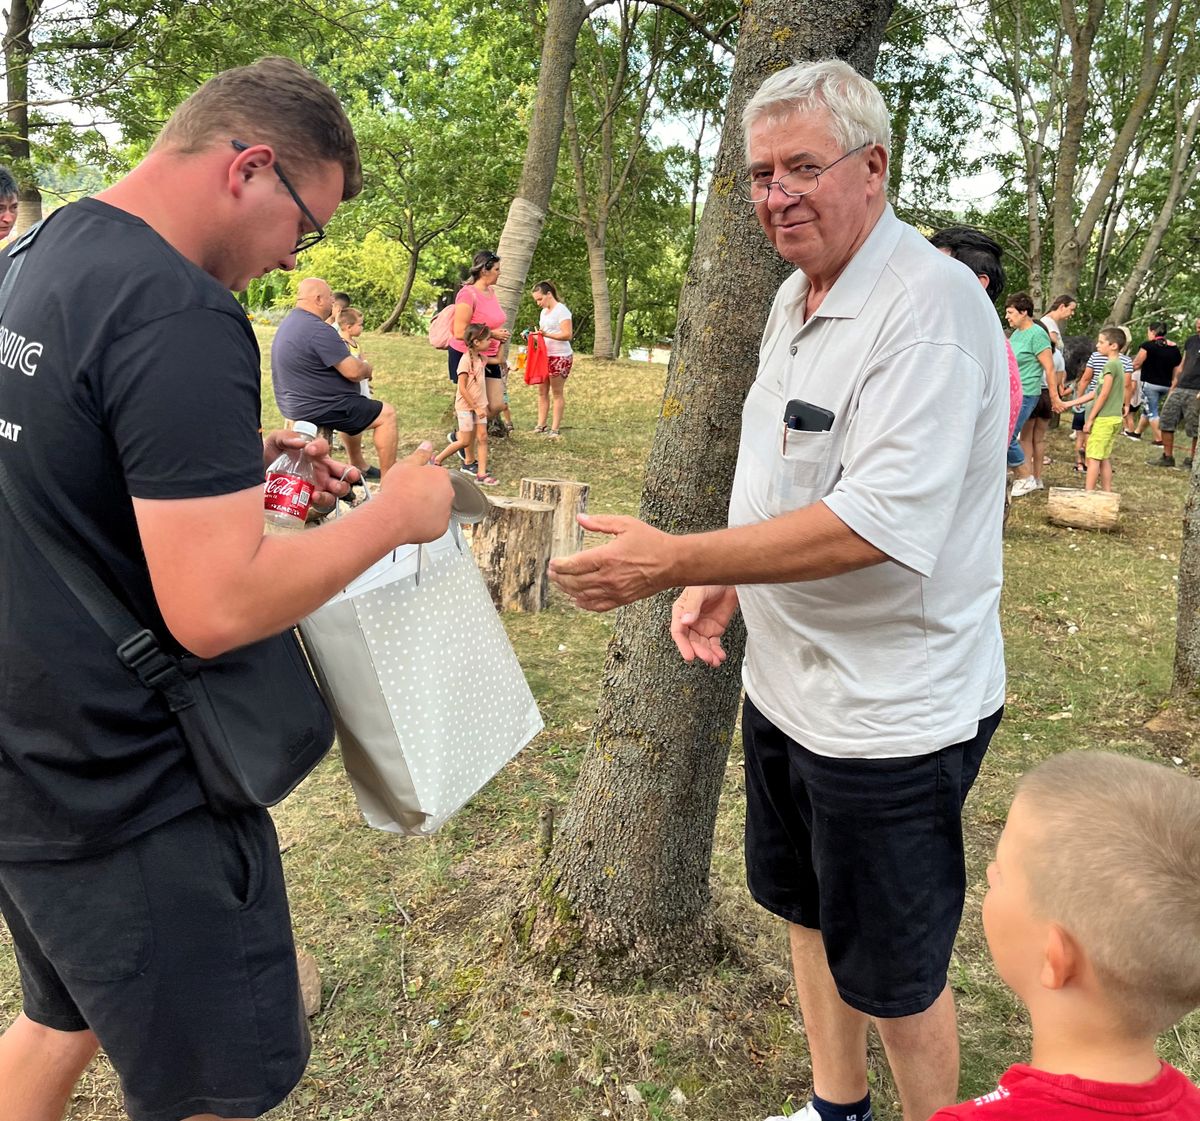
x=624, y=891
x=1185, y=677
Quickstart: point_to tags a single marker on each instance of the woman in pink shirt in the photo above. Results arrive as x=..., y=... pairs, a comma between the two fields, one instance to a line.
x=476, y=303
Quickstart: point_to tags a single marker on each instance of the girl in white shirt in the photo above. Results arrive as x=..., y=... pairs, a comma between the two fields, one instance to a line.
x=555, y=325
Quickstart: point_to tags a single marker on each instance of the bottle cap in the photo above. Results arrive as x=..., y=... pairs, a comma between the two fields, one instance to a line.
x=305, y=428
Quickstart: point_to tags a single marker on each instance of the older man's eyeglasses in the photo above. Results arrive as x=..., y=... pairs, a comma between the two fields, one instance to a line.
x=796, y=183
x=304, y=241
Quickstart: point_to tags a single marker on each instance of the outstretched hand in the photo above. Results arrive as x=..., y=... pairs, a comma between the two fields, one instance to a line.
x=698, y=620
x=635, y=564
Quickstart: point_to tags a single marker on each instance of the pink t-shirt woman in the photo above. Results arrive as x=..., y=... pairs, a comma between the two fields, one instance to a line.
x=476, y=303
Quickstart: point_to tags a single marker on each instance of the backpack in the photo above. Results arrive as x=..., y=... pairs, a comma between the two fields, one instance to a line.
x=440, y=328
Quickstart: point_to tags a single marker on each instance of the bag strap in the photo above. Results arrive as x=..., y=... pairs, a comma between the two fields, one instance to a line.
x=137, y=647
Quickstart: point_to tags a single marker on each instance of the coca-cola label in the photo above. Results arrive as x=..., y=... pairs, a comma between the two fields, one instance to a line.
x=287, y=494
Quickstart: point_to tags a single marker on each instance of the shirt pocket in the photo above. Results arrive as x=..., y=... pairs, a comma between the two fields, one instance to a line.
x=799, y=472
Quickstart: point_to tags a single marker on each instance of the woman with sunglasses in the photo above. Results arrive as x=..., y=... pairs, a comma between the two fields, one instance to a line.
x=476, y=302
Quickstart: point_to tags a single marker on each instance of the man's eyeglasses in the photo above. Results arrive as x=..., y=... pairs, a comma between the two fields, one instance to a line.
x=304, y=241
x=795, y=184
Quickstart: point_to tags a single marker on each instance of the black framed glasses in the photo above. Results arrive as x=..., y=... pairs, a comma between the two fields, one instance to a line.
x=795, y=184
x=304, y=241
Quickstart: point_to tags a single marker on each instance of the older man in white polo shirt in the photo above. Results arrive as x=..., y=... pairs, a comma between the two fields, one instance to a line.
x=864, y=550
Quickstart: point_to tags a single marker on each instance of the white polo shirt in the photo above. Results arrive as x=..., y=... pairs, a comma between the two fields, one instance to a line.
x=905, y=657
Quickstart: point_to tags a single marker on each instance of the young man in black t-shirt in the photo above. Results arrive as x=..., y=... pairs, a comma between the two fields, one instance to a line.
x=1158, y=360
x=1182, y=403
x=129, y=392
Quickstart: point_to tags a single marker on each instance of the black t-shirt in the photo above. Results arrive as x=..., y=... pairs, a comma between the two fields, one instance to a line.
x=304, y=352
x=125, y=370
x=1161, y=359
x=1190, y=377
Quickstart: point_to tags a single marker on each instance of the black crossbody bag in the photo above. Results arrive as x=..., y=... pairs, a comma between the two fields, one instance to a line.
x=253, y=719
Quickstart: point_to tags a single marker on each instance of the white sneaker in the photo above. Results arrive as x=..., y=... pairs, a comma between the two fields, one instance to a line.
x=808, y=1113
x=1024, y=486
x=1039, y=485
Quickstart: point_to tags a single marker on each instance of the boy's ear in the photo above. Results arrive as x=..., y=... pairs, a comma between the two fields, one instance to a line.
x=1062, y=958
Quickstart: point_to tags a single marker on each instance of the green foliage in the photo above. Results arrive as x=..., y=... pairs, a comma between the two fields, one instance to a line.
x=371, y=271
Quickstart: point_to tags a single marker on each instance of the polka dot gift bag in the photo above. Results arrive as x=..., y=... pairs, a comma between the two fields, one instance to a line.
x=423, y=720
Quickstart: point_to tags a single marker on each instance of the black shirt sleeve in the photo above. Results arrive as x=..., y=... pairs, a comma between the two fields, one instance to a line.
x=180, y=396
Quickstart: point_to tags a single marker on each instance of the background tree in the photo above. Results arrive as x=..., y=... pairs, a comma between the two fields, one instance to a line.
x=624, y=890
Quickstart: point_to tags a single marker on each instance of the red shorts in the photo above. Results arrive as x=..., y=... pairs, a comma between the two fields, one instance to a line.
x=559, y=365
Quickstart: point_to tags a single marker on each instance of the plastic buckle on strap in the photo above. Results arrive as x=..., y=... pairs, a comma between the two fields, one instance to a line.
x=141, y=653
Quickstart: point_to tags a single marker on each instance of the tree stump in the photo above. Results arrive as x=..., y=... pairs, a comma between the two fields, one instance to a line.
x=512, y=548
x=569, y=499
x=1083, y=509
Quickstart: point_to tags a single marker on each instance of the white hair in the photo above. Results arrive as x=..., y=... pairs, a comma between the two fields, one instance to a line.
x=855, y=106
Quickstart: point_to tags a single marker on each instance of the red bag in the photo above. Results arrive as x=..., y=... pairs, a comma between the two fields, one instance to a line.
x=537, y=360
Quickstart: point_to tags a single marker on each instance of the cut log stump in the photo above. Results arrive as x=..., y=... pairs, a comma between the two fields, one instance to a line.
x=512, y=548
x=1083, y=509
x=569, y=499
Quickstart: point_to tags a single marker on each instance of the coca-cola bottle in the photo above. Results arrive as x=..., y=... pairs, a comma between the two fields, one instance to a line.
x=290, y=482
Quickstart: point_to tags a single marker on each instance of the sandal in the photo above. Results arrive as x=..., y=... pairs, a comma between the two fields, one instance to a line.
x=553, y=434
x=487, y=480
x=540, y=428
x=508, y=426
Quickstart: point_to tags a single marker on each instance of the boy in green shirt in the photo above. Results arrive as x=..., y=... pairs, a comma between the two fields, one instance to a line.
x=1104, y=415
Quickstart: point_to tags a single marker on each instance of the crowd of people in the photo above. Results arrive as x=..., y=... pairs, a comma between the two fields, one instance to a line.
x=320, y=375
x=863, y=550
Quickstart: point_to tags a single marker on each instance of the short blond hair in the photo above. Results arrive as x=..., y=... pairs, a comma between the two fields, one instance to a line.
x=272, y=101
x=1116, y=862
x=348, y=316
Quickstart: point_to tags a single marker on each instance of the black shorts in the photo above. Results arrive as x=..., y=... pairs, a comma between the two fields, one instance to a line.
x=176, y=950
x=351, y=415
x=1077, y=421
x=867, y=851
x=1043, y=410
x=454, y=357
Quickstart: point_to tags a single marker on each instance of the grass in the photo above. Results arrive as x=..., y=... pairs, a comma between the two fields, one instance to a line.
x=425, y=1013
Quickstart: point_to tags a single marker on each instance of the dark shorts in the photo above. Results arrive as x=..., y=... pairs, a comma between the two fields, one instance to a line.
x=351, y=415
x=176, y=950
x=1077, y=421
x=454, y=357
x=1043, y=410
x=1182, y=406
x=867, y=851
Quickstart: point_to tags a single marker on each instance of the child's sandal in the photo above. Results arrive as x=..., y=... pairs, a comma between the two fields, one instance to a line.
x=487, y=480
x=540, y=428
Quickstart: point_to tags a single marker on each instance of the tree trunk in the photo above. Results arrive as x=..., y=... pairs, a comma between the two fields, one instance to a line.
x=14, y=148
x=527, y=213
x=1180, y=186
x=1070, y=237
x=410, y=275
x=622, y=308
x=624, y=892
x=1185, y=678
x=602, y=344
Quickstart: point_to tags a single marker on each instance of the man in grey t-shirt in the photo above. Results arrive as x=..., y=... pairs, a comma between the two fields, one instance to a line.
x=864, y=552
x=316, y=378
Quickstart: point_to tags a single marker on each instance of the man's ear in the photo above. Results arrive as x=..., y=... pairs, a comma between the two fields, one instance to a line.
x=248, y=164
x=877, y=164
x=1063, y=958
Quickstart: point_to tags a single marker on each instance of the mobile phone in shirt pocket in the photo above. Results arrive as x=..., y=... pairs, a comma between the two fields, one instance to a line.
x=801, y=466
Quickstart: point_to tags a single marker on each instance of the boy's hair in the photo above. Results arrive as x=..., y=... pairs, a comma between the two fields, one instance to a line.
x=1116, y=861
x=349, y=316
x=342, y=298
x=1021, y=301
x=272, y=101
x=476, y=332
x=8, y=185
x=546, y=288
x=1061, y=301
x=980, y=253
x=1113, y=335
